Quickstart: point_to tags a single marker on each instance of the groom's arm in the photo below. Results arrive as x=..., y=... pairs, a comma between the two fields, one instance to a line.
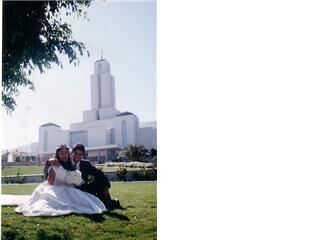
x=93, y=170
x=97, y=173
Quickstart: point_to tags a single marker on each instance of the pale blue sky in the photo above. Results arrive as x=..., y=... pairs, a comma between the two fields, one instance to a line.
x=126, y=32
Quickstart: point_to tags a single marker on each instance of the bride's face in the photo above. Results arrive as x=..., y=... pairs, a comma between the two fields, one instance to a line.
x=63, y=154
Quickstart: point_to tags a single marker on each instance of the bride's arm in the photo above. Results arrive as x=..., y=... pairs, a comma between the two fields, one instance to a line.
x=51, y=176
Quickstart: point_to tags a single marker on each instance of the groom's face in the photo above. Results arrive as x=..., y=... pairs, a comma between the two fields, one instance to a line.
x=77, y=155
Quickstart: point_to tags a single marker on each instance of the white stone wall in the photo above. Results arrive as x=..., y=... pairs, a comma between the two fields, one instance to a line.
x=98, y=130
x=148, y=137
x=102, y=93
x=41, y=139
x=79, y=137
x=113, y=91
x=90, y=115
x=85, y=125
x=58, y=137
x=154, y=142
x=98, y=133
x=131, y=129
x=35, y=147
x=107, y=113
x=94, y=92
x=49, y=130
x=105, y=66
x=97, y=136
x=106, y=91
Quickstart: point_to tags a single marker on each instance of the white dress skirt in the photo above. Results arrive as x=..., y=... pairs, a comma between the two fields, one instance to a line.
x=61, y=198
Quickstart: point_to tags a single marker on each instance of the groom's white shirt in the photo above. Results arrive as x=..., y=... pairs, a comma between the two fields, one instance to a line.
x=77, y=168
x=77, y=164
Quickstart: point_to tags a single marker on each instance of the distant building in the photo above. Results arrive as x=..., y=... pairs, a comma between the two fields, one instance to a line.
x=32, y=148
x=12, y=157
x=148, y=135
x=104, y=130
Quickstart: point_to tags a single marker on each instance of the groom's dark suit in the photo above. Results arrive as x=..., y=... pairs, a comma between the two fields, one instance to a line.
x=97, y=185
x=99, y=180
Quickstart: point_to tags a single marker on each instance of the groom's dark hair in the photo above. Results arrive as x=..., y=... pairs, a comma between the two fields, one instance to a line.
x=79, y=146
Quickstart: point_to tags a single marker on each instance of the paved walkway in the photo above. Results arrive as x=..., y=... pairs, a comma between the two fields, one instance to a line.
x=13, y=199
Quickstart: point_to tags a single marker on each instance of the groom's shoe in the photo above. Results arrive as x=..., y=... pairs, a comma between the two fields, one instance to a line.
x=113, y=204
x=108, y=204
x=116, y=204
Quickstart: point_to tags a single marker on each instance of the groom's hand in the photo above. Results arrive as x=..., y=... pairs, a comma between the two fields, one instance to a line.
x=54, y=162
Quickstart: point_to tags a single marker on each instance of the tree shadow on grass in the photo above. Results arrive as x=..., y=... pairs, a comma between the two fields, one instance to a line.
x=101, y=217
x=130, y=206
x=98, y=218
x=41, y=234
x=93, y=217
x=117, y=216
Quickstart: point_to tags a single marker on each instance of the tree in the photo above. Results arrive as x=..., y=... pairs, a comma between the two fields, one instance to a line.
x=136, y=153
x=153, y=152
x=33, y=36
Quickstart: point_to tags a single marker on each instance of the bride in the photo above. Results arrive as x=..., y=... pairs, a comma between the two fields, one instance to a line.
x=57, y=195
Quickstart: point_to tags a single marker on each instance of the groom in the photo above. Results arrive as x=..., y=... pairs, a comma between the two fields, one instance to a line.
x=99, y=185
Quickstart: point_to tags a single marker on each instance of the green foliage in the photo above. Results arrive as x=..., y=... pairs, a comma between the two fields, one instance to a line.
x=121, y=173
x=154, y=161
x=136, y=153
x=52, y=235
x=153, y=152
x=33, y=37
x=145, y=175
x=140, y=175
x=154, y=174
x=9, y=234
x=19, y=179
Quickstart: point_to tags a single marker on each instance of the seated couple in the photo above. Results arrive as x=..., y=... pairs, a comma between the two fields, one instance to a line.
x=68, y=188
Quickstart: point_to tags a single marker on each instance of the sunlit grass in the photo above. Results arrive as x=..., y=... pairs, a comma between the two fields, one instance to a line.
x=137, y=221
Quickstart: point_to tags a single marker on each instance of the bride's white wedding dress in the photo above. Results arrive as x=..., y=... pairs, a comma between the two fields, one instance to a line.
x=61, y=198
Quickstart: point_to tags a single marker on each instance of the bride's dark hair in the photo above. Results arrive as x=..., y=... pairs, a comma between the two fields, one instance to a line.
x=62, y=146
x=65, y=164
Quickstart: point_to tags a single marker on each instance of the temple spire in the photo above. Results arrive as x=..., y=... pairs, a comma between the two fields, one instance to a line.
x=101, y=54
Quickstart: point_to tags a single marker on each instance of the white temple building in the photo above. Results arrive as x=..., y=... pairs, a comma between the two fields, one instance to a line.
x=104, y=130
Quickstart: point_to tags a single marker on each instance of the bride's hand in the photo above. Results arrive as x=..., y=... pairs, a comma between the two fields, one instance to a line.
x=74, y=177
x=54, y=162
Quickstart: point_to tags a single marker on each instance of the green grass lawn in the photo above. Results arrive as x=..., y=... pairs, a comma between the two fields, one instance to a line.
x=137, y=221
x=26, y=170
x=18, y=189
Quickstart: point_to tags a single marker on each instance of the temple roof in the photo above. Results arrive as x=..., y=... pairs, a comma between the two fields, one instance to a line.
x=125, y=113
x=49, y=124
